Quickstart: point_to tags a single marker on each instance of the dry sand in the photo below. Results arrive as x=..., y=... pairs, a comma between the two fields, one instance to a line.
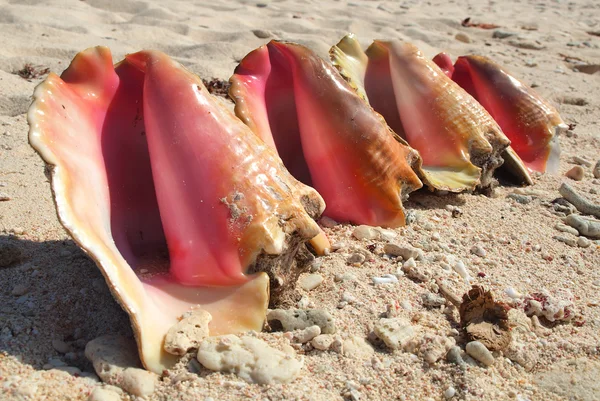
x=55, y=292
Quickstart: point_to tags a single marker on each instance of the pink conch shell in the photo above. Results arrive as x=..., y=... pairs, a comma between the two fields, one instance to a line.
x=458, y=140
x=530, y=122
x=172, y=196
x=326, y=135
x=445, y=63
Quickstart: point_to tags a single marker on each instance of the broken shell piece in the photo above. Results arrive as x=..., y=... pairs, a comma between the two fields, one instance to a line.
x=529, y=121
x=458, y=140
x=326, y=135
x=484, y=319
x=188, y=333
x=249, y=358
x=175, y=199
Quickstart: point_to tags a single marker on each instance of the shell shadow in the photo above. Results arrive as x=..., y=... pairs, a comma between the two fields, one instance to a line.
x=52, y=290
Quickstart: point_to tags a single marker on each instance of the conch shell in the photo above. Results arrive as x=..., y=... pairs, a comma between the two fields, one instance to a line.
x=459, y=142
x=173, y=197
x=530, y=122
x=326, y=135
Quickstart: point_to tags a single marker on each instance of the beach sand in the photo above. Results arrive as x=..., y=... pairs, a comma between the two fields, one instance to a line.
x=54, y=294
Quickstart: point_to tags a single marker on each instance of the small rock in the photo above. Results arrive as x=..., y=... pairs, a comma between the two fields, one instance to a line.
x=249, y=358
x=462, y=37
x=322, y=342
x=298, y=319
x=365, y=233
x=327, y=222
x=356, y=259
x=449, y=392
x=503, y=34
x=576, y=173
x=480, y=352
x=581, y=161
x=454, y=356
x=522, y=199
x=304, y=336
x=566, y=229
x=566, y=240
x=138, y=382
x=583, y=242
x=20, y=289
x=111, y=354
x=61, y=346
x=588, y=227
x=4, y=197
x=385, y=279
x=432, y=300
x=479, y=251
x=262, y=33
x=596, y=170
x=105, y=393
x=188, y=333
x=394, y=332
x=524, y=44
x=404, y=251
x=357, y=348
x=310, y=281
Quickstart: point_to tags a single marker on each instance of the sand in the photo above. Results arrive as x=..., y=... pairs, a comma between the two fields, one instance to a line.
x=54, y=292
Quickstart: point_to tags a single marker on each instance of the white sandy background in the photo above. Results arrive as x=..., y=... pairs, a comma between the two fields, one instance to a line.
x=54, y=292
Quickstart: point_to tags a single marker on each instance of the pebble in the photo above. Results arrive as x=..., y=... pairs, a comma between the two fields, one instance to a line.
x=356, y=259
x=307, y=334
x=454, y=356
x=460, y=268
x=462, y=37
x=20, y=289
x=394, y=332
x=576, y=173
x=298, y=319
x=188, y=333
x=479, y=251
x=111, y=355
x=581, y=161
x=250, y=358
x=61, y=346
x=138, y=382
x=4, y=197
x=322, y=342
x=10, y=253
x=566, y=240
x=385, y=279
x=341, y=277
x=588, y=227
x=596, y=170
x=262, y=34
x=583, y=242
x=522, y=199
x=503, y=34
x=566, y=229
x=105, y=393
x=432, y=300
x=480, y=352
x=364, y=232
x=449, y=392
x=512, y=293
x=406, y=251
x=310, y=281
x=356, y=347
